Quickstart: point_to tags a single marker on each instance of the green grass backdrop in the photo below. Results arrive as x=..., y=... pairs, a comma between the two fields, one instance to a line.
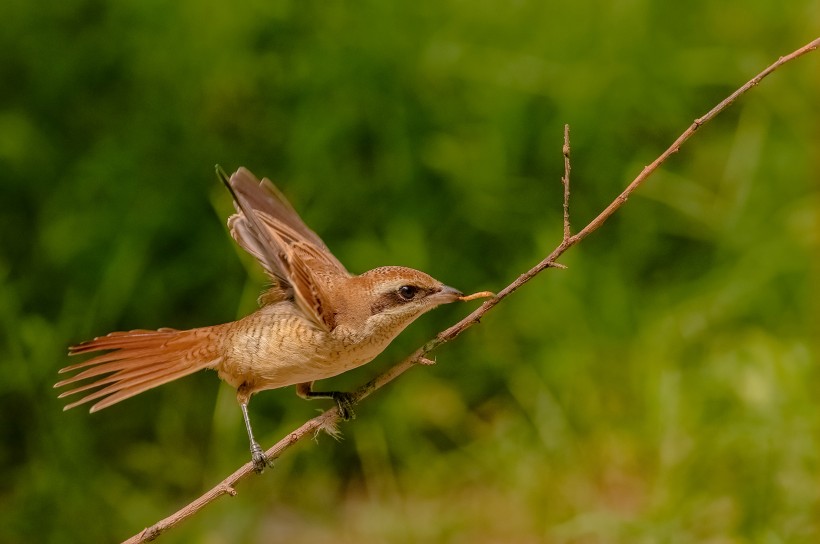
x=664, y=388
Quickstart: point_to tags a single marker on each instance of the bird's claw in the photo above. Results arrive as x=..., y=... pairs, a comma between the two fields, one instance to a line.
x=259, y=459
x=345, y=402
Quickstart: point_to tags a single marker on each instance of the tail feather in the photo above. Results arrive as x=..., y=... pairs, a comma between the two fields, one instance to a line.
x=120, y=339
x=113, y=364
x=112, y=356
x=137, y=361
x=122, y=390
x=121, y=375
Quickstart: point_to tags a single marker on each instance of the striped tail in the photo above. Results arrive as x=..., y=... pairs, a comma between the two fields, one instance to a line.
x=137, y=361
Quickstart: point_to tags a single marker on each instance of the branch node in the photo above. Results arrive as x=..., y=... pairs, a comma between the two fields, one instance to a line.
x=150, y=533
x=229, y=490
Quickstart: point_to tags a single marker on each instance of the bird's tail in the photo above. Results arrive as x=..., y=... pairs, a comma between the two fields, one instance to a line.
x=137, y=361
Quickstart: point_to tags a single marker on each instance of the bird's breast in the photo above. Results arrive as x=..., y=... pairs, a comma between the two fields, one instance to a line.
x=278, y=345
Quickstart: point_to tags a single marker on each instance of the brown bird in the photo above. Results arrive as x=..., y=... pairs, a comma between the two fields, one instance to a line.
x=316, y=321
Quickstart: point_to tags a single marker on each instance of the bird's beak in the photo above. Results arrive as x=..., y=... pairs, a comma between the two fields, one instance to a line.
x=448, y=294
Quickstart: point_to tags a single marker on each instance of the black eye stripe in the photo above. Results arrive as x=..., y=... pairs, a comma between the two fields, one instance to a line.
x=398, y=297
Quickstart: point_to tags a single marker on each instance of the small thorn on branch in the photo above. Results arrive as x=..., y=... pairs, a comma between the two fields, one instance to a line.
x=229, y=490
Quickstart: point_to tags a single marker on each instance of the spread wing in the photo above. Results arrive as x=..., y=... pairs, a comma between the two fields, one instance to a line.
x=296, y=259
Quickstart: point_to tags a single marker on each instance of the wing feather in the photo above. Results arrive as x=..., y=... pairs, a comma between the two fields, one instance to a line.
x=296, y=259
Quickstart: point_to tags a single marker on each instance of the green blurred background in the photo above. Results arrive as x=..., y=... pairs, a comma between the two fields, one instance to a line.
x=662, y=389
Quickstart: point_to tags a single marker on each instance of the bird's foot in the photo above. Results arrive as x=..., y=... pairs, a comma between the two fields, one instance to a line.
x=345, y=402
x=260, y=460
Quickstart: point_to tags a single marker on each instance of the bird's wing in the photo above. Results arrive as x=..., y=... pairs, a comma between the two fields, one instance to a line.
x=297, y=260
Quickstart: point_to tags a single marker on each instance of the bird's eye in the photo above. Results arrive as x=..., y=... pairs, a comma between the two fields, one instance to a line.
x=407, y=292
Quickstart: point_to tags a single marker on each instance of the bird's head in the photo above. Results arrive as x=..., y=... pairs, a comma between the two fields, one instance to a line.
x=389, y=298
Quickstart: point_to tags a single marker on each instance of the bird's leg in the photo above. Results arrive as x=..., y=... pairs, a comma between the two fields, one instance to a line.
x=260, y=460
x=344, y=401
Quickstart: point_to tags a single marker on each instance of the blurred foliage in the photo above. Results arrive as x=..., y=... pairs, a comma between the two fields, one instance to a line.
x=662, y=389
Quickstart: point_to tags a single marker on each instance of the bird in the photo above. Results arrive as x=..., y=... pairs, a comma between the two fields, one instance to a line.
x=315, y=321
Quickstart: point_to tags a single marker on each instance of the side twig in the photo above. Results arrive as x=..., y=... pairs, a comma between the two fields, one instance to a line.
x=328, y=419
x=565, y=183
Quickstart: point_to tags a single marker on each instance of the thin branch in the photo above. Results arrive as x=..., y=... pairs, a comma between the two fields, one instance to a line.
x=675, y=147
x=565, y=183
x=328, y=419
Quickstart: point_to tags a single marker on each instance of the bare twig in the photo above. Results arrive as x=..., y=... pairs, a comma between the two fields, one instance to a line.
x=328, y=419
x=325, y=420
x=675, y=147
x=565, y=183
